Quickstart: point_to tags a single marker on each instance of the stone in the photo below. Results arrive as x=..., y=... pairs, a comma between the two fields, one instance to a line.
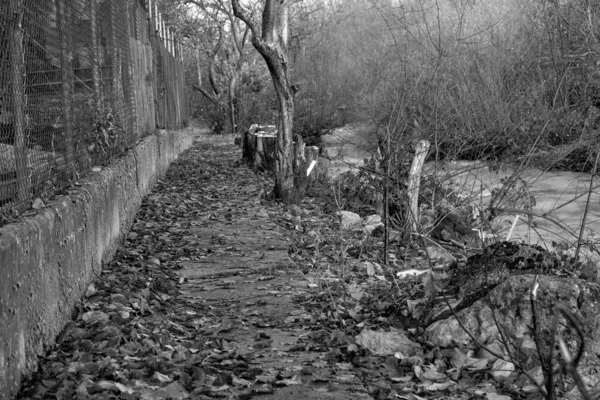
x=388, y=343
x=371, y=223
x=589, y=271
x=511, y=307
x=350, y=220
x=502, y=369
x=437, y=253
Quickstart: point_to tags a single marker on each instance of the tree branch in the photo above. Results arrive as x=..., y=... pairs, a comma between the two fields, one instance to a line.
x=211, y=67
x=242, y=14
x=206, y=94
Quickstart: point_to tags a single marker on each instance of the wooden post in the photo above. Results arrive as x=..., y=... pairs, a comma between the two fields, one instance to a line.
x=312, y=161
x=258, y=151
x=414, y=181
x=247, y=152
x=17, y=63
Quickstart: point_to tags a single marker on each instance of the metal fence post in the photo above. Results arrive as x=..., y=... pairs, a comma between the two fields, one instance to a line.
x=66, y=81
x=128, y=87
x=17, y=60
x=98, y=101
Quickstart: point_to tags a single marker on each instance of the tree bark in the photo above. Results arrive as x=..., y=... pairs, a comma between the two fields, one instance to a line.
x=271, y=42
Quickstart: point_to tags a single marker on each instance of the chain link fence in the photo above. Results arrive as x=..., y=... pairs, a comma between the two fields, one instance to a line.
x=81, y=82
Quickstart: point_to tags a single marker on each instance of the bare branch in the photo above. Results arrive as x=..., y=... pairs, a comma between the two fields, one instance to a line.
x=206, y=94
x=211, y=67
x=243, y=14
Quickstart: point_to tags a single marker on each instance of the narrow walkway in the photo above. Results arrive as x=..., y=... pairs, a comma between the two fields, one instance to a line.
x=198, y=303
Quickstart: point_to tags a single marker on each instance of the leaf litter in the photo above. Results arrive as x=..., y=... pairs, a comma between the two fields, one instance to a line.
x=218, y=291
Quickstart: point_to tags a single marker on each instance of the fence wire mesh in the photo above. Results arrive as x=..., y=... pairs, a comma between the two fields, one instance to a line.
x=81, y=81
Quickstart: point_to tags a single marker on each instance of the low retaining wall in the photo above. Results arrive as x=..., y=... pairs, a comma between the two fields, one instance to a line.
x=47, y=261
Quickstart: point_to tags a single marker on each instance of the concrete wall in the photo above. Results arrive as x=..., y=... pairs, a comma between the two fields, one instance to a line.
x=48, y=260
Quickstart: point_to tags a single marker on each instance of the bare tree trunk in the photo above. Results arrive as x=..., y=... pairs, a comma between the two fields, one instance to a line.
x=271, y=42
x=232, y=86
x=284, y=167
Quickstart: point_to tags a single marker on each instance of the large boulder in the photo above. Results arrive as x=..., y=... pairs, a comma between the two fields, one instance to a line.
x=507, y=307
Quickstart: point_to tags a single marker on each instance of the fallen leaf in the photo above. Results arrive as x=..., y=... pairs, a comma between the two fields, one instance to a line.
x=124, y=389
x=355, y=291
x=92, y=317
x=265, y=378
x=496, y=396
x=296, y=380
x=437, y=386
x=173, y=391
x=370, y=268
x=161, y=378
x=434, y=376
x=91, y=290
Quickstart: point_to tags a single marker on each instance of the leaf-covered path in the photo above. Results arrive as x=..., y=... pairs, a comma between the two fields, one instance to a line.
x=198, y=302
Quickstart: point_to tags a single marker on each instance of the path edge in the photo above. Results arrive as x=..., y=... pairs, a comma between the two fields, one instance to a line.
x=48, y=260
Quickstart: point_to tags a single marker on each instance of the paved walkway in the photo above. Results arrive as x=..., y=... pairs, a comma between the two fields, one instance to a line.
x=199, y=301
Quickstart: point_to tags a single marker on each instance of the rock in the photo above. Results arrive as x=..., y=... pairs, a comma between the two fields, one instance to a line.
x=388, y=343
x=350, y=220
x=512, y=309
x=371, y=223
x=92, y=317
x=589, y=271
x=502, y=369
x=436, y=253
x=294, y=210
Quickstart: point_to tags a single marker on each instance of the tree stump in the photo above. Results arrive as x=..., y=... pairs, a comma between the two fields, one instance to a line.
x=260, y=146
